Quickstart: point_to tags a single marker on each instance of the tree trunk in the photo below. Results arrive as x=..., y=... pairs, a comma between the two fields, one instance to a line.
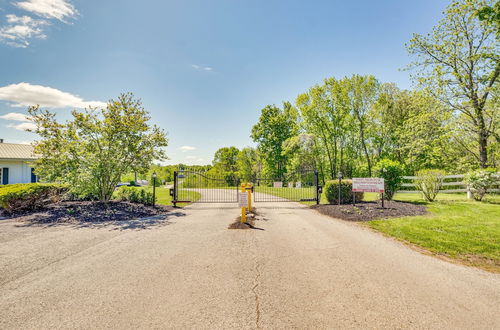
x=483, y=148
x=365, y=150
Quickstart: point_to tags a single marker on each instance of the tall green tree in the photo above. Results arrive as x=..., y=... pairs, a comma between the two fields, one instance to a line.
x=275, y=126
x=248, y=162
x=93, y=150
x=362, y=94
x=459, y=63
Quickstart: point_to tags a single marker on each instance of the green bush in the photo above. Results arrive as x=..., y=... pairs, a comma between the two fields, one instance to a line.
x=331, y=191
x=481, y=181
x=134, y=195
x=392, y=173
x=429, y=182
x=29, y=196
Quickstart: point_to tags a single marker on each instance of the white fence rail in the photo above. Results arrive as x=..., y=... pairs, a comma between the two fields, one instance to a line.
x=454, y=186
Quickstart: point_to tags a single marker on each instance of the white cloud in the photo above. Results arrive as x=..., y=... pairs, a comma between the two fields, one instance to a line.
x=22, y=126
x=186, y=148
x=199, y=67
x=190, y=157
x=25, y=94
x=20, y=29
x=16, y=116
x=51, y=9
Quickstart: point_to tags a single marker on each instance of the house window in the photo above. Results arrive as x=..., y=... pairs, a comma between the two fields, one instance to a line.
x=1, y=177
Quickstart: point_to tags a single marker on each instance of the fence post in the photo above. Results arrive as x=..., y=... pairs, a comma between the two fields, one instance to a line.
x=174, y=197
x=316, y=175
x=469, y=193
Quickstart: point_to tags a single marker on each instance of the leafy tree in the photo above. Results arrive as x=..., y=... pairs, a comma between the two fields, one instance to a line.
x=362, y=94
x=225, y=164
x=301, y=153
x=248, y=164
x=275, y=126
x=325, y=115
x=226, y=159
x=411, y=127
x=93, y=150
x=459, y=63
x=491, y=14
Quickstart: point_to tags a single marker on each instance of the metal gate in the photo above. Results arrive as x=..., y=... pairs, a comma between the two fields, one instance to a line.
x=203, y=187
x=298, y=187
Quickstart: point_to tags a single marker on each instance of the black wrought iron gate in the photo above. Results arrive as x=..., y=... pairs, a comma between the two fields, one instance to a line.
x=205, y=187
x=298, y=187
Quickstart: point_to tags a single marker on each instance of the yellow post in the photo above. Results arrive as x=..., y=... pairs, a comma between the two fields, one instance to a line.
x=243, y=210
x=249, y=189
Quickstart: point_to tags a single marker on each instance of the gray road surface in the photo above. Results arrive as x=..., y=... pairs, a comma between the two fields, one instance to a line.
x=302, y=270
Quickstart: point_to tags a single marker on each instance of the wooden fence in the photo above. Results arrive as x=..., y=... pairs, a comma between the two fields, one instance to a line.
x=451, y=184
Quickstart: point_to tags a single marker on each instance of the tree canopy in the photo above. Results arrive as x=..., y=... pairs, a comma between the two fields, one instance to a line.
x=93, y=150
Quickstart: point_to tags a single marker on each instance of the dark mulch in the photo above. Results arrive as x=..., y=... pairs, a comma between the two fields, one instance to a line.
x=89, y=211
x=366, y=211
x=250, y=221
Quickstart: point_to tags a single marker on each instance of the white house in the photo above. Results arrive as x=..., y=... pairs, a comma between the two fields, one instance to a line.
x=15, y=163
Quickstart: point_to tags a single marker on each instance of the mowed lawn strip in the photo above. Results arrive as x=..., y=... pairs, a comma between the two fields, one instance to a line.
x=288, y=193
x=468, y=231
x=163, y=195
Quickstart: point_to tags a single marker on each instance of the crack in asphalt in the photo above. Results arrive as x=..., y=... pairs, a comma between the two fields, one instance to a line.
x=256, y=295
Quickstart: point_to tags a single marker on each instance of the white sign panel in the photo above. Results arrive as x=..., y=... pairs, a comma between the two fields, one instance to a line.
x=298, y=184
x=278, y=184
x=368, y=185
x=243, y=199
x=290, y=184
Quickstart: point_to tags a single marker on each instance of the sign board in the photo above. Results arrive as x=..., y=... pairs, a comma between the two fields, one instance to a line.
x=243, y=199
x=278, y=184
x=298, y=184
x=368, y=185
x=290, y=184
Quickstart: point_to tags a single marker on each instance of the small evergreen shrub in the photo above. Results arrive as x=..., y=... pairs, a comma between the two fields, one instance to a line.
x=331, y=191
x=480, y=181
x=392, y=173
x=429, y=182
x=134, y=195
x=29, y=196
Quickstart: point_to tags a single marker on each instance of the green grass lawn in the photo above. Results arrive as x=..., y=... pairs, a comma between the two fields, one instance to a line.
x=163, y=195
x=455, y=227
x=289, y=193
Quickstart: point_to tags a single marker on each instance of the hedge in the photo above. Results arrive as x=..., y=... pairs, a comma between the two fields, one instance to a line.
x=331, y=191
x=29, y=196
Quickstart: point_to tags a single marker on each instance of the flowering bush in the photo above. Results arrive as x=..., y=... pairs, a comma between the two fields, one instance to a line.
x=481, y=181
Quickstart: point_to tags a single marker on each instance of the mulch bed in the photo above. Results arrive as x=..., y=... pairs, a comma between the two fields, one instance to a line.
x=88, y=211
x=252, y=216
x=366, y=211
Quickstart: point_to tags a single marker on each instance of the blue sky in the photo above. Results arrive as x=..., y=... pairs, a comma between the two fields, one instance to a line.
x=204, y=69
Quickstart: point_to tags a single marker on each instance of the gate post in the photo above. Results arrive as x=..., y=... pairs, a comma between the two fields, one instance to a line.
x=317, y=187
x=174, y=197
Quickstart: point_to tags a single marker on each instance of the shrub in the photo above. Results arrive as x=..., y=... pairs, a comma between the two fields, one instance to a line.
x=29, y=196
x=481, y=181
x=429, y=182
x=392, y=172
x=134, y=195
x=331, y=190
